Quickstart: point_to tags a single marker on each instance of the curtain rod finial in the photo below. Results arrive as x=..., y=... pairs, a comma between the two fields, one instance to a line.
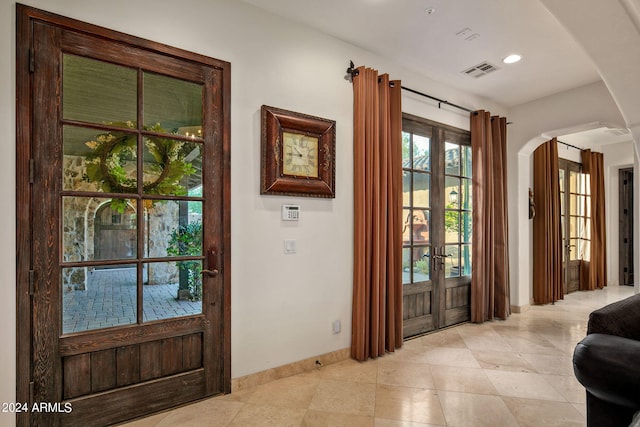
x=351, y=71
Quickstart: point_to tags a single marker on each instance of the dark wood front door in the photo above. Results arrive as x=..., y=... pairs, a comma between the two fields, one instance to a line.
x=437, y=218
x=123, y=136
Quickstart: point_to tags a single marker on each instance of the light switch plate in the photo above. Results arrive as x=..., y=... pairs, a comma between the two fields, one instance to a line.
x=290, y=246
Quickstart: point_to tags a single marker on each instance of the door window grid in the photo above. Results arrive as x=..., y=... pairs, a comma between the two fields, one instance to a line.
x=416, y=170
x=458, y=203
x=576, y=233
x=158, y=167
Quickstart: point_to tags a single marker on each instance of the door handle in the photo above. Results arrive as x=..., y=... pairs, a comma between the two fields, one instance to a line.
x=211, y=263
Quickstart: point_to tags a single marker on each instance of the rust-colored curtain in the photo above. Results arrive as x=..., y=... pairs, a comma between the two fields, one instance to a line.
x=594, y=276
x=377, y=281
x=547, y=234
x=490, y=246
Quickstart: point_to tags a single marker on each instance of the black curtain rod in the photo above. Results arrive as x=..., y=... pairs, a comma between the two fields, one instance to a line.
x=440, y=101
x=353, y=71
x=569, y=145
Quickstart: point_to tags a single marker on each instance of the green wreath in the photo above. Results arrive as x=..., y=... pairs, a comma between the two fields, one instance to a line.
x=105, y=164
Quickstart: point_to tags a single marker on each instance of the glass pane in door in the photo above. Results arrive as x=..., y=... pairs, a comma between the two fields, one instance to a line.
x=172, y=106
x=96, y=160
x=421, y=153
x=421, y=189
x=95, y=298
x=171, y=167
x=173, y=289
x=98, y=92
x=452, y=159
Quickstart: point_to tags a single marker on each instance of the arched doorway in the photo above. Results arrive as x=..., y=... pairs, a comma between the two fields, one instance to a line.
x=115, y=234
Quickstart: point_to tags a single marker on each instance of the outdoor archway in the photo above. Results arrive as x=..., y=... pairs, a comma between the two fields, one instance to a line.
x=114, y=233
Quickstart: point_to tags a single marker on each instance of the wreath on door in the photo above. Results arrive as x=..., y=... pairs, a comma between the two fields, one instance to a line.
x=113, y=160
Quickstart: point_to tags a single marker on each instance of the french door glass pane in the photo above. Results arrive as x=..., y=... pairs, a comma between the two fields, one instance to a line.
x=406, y=226
x=98, y=229
x=406, y=266
x=421, y=264
x=573, y=249
x=171, y=167
x=421, y=190
x=173, y=289
x=406, y=188
x=465, y=260
x=466, y=193
x=452, y=261
x=406, y=150
x=452, y=158
x=173, y=228
x=97, y=298
x=452, y=192
x=420, y=226
x=466, y=222
x=421, y=153
x=451, y=226
x=98, y=92
x=466, y=161
x=172, y=106
x=99, y=160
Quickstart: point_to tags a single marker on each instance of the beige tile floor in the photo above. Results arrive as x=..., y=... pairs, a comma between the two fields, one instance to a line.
x=516, y=372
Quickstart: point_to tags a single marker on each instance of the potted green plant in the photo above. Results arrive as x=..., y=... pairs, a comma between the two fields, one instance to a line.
x=187, y=240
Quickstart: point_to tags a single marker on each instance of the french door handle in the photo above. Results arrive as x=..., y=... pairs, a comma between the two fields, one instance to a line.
x=212, y=271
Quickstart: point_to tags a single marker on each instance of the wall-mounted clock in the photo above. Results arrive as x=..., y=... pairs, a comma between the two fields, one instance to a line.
x=297, y=154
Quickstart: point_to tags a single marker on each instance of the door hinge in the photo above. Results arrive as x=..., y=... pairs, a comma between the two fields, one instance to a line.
x=32, y=60
x=31, y=387
x=32, y=276
x=31, y=170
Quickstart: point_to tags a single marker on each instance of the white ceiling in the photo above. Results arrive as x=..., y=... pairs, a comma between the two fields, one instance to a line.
x=436, y=44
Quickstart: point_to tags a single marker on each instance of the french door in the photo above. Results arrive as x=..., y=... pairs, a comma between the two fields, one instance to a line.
x=575, y=220
x=436, y=252
x=123, y=210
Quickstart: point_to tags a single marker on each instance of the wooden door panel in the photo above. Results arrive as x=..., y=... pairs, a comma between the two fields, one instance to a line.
x=417, y=308
x=114, y=406
x=96, y=371
x=103, y=370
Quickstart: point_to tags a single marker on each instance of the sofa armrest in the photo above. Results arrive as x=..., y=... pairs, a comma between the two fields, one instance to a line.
x=608, y=367
x=621, y=318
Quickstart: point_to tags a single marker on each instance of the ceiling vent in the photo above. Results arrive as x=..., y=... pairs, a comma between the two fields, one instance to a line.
x=480, y=70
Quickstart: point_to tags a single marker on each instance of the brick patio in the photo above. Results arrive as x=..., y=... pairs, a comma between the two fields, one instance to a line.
x=110, y=300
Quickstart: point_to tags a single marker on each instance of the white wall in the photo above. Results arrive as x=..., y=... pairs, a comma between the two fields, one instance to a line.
x=282, y=305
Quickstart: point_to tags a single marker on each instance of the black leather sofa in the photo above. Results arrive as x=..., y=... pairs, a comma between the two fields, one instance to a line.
x=607, y=364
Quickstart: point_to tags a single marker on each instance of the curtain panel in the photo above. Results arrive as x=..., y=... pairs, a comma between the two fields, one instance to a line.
x=490, y=246
x=377, y=281
x=594, y=273
x=547, y=232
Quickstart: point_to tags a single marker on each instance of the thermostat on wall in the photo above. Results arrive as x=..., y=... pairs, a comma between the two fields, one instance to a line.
x=290, y=212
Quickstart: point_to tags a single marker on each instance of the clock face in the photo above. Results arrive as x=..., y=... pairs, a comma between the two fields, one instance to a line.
x=300, y=155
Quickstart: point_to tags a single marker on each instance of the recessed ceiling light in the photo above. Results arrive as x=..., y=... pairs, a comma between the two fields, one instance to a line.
x=511, y=59
x=429, y=11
